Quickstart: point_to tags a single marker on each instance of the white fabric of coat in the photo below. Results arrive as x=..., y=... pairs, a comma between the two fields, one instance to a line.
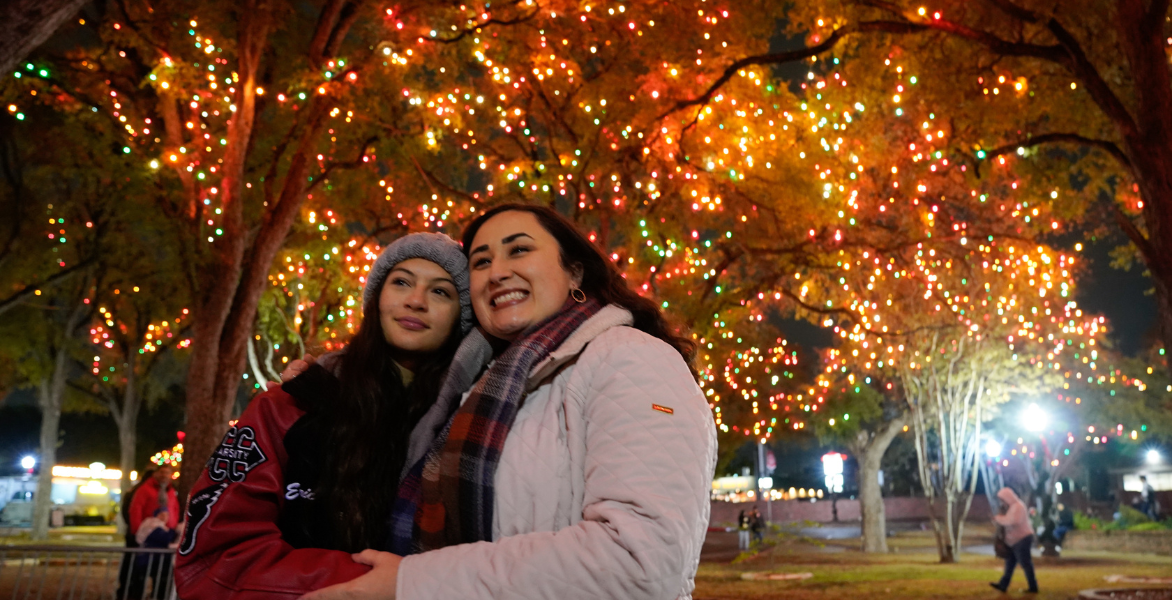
x=598, y=493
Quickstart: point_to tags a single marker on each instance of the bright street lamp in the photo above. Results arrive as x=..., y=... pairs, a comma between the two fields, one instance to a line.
x=1034, y=418
x=1153, y=456
x=992, y=448
x=28, y=462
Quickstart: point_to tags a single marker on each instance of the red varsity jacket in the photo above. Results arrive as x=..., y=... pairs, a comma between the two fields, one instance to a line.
x=234, y=547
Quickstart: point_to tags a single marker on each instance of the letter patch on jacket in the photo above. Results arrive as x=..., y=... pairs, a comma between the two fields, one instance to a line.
x=236, y=455
x=198, y=510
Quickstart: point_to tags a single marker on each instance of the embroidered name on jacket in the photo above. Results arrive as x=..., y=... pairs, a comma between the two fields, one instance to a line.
x=294, y=491
x=236, y=456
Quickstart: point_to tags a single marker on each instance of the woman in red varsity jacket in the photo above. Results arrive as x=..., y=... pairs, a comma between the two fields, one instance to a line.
x=308, y=473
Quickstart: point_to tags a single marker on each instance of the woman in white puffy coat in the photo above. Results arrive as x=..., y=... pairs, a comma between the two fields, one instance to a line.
x=579, y=464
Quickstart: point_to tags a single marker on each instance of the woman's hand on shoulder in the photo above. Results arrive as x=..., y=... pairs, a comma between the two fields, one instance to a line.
x=378, y=584
x=297, y=367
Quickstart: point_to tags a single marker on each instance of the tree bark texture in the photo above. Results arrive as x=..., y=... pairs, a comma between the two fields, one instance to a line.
x=946, y=398
x=26, y=24
x=50, y=396
x=126, y=418
x=226, y=311
x=207, y=407
x=869, y=450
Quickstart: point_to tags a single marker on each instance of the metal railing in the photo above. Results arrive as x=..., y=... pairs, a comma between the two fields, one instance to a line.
x=86, y=573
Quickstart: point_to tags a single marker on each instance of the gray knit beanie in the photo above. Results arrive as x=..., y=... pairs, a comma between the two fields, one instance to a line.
x=436, y=247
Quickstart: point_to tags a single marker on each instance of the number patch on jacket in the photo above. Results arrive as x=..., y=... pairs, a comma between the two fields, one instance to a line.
x=236, y=456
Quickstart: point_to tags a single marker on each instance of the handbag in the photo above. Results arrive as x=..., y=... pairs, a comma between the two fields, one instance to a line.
x=1000, y=547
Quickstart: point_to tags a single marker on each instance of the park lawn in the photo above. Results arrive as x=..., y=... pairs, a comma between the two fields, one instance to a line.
x=85, y=535
x=914, y=574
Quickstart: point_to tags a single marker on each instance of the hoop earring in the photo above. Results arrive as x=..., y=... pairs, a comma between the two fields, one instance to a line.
x=578, y=295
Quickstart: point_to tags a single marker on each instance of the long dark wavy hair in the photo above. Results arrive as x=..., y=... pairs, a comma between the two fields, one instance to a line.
x=367, y=428
x=601, y=279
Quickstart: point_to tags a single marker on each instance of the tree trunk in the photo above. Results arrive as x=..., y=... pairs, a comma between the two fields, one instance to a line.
x=26, y=24
x=226, y=315
x=871, y=503
x=1147, y=142
x=870, y=457
x=1164, y=306
x=49, y=397
x=209, y=399
x=127, y=420
x=948, y=555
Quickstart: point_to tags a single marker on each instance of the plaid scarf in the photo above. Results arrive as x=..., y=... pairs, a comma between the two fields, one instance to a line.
x=447, y=496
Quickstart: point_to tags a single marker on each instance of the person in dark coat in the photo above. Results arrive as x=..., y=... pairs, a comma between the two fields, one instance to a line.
x=154, y=533
x=129, y=536
x=743, y=533
x=1065, y=522
x=757, y=525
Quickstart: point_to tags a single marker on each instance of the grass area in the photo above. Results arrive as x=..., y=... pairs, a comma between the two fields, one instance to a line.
x=99, y=535
x=912, y=572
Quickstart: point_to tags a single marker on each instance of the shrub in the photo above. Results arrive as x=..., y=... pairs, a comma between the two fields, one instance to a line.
x=1149, y=526
x=1129, y=517
x=1087, y=522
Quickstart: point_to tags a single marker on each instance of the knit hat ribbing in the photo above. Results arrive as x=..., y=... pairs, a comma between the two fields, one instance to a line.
x=436, y=247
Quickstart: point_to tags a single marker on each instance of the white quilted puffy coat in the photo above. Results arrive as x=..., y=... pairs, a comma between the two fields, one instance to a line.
x=598, y=493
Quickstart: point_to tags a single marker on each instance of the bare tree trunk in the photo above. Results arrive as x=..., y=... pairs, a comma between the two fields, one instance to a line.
x=208, y=400
x=870, y=456
x=226, y=315
x=26, y=24
x=126, y=417
x=49, y=395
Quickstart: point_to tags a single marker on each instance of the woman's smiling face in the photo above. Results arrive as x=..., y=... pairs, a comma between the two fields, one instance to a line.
x=418, y=307
x=517, y=277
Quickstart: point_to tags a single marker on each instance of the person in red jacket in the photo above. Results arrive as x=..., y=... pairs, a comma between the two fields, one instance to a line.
x=308, y=473
x=155, y=493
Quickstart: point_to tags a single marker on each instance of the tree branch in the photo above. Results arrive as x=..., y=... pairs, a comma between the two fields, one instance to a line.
x=1135, y=235
x=357, y=162
x=996, y=44
x=1015, y=11
x=1065, y=138
x=817, y=309
x=469, y=31
x=1079, y=65
x=1068, y=53
x=793, y=55
x=28, y=290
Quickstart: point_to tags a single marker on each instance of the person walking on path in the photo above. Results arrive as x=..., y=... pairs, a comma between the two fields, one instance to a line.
x=757, y=525
x=743, y=531
x=1019, y=536
x=1147, y=498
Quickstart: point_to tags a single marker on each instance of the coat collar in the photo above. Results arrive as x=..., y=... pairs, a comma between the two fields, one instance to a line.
x=608, y=317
